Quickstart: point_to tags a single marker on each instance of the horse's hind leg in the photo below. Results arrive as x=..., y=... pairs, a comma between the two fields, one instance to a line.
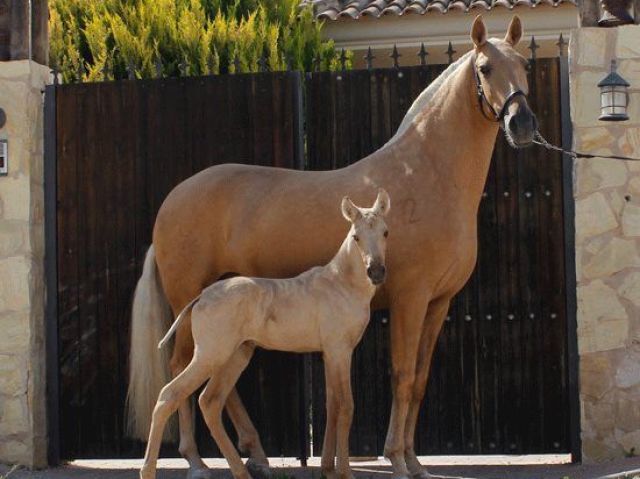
x=212, y=401
x=168, y=401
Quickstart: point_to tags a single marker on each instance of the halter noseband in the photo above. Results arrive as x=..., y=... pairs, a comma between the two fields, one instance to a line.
x=482, y=99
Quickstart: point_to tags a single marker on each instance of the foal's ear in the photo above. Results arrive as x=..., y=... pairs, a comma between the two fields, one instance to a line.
x=479, y=32
x=383, y=203
x=349, y=210
x=514, y=32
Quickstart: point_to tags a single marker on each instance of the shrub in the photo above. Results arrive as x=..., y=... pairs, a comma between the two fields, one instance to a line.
x=111, y=39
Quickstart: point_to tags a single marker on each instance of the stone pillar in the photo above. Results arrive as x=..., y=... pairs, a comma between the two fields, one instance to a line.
x=607, y=195
x=23, y=437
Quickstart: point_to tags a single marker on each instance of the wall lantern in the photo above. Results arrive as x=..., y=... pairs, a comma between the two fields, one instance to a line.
x=614, y=97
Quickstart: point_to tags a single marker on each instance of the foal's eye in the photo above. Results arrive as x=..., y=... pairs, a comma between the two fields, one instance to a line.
x=386, y=234
x=528, y=67
x=355, y=237
x=485, y=69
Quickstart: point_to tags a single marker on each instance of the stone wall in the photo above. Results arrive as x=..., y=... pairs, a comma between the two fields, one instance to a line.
x=22, y=353
x=607, y=195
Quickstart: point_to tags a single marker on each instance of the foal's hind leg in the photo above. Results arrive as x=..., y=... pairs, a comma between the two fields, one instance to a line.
x=182, y=353
x=170, y=397
x=248, y=438
x=212, y=401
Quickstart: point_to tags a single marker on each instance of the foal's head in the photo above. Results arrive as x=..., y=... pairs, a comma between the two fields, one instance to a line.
x=369, y=233
x=501, y=77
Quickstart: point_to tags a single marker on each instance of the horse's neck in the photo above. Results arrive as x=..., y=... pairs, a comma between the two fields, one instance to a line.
x=348, y=269
x=451, y=139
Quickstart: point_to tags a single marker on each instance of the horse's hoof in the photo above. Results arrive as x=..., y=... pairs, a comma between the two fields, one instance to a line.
x=258, y=470
x=421, y=475
x=200, y=473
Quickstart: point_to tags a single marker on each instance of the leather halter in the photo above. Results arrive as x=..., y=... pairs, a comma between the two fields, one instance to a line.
x=482, y=99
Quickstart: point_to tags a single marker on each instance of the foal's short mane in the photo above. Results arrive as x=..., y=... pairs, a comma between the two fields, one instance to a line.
x=427, y=94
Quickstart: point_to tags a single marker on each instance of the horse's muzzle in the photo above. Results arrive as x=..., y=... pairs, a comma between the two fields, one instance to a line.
x=521, y=127
x=377, y=273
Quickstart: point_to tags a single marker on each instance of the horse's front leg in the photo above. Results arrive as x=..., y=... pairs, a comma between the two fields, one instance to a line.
x=407, y=317
x=436, y=312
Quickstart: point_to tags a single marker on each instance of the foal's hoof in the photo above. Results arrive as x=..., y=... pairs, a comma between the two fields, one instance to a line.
x=257, y=470
x=421, y=475
x=200, y=473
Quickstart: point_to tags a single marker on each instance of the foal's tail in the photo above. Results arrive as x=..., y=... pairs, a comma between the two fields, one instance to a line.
x=177, y=322
x=148, y=366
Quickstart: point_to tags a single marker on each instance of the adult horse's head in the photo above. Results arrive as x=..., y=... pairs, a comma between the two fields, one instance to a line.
x=501, y=82
x=369, y=233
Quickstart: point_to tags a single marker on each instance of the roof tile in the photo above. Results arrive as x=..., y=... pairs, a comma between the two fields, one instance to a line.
x=334, y=9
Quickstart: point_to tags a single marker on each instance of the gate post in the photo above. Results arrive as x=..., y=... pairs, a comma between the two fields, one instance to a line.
x=607, y=239
x=23, y=429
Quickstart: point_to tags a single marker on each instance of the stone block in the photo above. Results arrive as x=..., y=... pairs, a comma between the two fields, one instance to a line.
x=630, y=288
x=593, y=216
x=13, y=451
x=634, y=186
x=596, y=376
x=628, y=373
x=585, y=112
x=592, y=48
x=595, y=450
x=629, y=441
x=599, y=173
x=13, y=375
x=627, y=415
x=628, y=43
x=615, y=256
x=631, y=220
x=14, y=287
x=15, y=193
x=13, y=238
x=600, y=416
x=603, y=323
x=14, y=417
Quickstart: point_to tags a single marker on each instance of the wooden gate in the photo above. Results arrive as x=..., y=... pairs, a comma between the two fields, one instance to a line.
x=501, y=376
x=501, y=359
x=121, y=147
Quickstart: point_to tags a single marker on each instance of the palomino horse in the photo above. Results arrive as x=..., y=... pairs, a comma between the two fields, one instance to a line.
x=236, y=219
x=325, y=309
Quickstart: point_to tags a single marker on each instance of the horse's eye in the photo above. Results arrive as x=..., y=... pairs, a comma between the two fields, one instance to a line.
x=386, y=234
x=528, y=67
x=485, y=69
x=355, y=237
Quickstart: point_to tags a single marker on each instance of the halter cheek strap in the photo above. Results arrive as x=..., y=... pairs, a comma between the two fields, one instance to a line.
x=482, y=99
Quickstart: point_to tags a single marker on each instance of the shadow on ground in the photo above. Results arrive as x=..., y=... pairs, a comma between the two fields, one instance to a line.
x=620, y=469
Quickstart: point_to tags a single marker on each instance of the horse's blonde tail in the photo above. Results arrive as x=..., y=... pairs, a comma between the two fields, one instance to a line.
x=148, y=366
x=177, y=322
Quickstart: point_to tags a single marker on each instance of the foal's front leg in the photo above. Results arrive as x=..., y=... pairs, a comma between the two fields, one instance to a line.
x=338, y=373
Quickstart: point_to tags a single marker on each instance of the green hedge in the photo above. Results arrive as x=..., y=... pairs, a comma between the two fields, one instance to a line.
x=93, y=40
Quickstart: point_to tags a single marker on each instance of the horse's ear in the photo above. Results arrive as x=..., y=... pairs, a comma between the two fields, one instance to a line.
x=514, y=32
x=383, y=203
x=349, y=210
x=478, y=32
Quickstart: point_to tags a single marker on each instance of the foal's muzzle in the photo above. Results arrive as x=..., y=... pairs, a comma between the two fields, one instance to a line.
x=377, y=273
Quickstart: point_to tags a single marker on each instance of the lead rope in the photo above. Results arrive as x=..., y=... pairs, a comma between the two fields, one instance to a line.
x=540, y=140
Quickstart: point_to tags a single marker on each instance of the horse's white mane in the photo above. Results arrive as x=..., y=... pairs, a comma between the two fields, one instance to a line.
x=426, y=95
